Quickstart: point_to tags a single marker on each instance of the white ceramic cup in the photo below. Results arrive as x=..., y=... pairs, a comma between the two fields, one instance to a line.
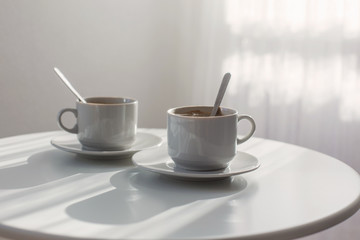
x=104, y=123
x=202, y=142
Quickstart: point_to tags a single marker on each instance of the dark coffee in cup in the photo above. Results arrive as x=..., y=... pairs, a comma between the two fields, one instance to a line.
x=195, y=113
x=108, y=100
x=198, y=113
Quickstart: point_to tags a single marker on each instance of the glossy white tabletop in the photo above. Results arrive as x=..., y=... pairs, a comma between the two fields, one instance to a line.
x=46, y=193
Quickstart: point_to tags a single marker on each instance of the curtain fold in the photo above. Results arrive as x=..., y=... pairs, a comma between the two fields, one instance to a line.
x=294, y=64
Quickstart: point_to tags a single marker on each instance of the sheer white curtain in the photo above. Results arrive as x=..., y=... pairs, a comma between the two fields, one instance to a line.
x=294, y=64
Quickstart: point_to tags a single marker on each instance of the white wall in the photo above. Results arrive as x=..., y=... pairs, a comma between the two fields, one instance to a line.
x=302, y=89
x=105, y=48
x=171, y=53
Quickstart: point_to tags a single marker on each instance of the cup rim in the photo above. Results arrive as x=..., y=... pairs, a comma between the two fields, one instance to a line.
x=171, y=112
x=130, y=102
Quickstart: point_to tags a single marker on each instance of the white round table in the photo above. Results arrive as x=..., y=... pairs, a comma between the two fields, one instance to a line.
x=46, y=193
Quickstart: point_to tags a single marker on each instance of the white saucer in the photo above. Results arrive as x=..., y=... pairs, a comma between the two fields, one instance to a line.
x=69, y=143
x=158, y=161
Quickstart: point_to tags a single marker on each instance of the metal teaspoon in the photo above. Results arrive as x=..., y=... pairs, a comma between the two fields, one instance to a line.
x=221, y=93
x=68, y=84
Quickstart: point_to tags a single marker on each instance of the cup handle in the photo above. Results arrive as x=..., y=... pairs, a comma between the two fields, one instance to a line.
x=253, y=127
x=72, y=110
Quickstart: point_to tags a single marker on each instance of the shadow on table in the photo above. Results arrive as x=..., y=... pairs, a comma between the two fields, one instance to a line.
x=140, y=195
x=51, y=165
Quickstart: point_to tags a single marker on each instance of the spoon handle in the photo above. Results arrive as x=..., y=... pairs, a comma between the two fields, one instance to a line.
x=68, y=84
x=221, y=93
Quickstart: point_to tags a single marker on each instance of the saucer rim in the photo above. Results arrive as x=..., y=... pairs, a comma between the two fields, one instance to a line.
x=127, y=152
x=190, y=174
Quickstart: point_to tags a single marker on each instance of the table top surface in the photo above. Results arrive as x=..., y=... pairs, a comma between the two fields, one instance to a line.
x=46, y=193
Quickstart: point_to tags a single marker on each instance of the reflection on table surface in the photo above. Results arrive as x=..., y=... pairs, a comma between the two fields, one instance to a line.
x=45, y=192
